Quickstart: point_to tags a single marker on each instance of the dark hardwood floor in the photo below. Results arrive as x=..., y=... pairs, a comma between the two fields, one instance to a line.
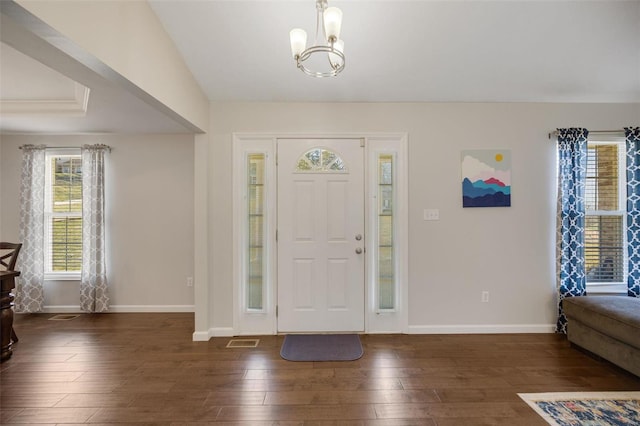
x=144, y=368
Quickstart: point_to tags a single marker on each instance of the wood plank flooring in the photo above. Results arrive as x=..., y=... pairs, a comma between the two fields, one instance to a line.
x=144, y=369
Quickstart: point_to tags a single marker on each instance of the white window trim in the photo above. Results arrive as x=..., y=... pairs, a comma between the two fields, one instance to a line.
x=48, y=274
x=617, y=287
x=253, y=321
x=387, y=320
x=62, y=276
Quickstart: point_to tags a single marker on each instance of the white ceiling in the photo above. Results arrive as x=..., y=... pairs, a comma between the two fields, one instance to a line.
x=426, y=51
x=397, y=51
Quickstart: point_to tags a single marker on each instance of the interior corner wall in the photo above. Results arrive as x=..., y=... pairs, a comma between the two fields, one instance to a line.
x=201, y=237
x=509, y=252
x=149, y=191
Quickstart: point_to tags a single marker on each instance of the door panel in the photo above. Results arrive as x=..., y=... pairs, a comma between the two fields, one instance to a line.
x=320, y=211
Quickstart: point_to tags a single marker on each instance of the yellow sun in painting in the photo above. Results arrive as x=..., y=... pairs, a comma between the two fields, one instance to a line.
x=499, y=157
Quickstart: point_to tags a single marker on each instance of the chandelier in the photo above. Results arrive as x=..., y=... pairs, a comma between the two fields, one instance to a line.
x=327, y=42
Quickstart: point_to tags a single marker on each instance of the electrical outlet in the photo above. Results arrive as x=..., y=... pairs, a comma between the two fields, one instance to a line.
x=189, y=281
x=485, y=297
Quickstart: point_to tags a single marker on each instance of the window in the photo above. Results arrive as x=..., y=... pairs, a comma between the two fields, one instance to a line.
x=320, y=160
x=387, y=234
x=63, y=216
x=385, y=261
x=605, y=223
x=255, y=231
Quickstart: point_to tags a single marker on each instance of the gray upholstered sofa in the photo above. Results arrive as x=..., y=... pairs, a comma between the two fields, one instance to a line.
x=608, y=326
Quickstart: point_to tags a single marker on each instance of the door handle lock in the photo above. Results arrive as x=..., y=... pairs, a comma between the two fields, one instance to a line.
x=358, y=250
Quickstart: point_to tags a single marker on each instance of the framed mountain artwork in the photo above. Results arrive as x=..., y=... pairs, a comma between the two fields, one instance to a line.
x=486, y=178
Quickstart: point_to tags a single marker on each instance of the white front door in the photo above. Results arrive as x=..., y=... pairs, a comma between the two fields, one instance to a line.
x=320, y=235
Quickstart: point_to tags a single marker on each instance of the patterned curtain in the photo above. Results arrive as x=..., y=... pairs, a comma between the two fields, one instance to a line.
x=572, y=170
x=30, y=285
x=93, y=285
x=632, y=135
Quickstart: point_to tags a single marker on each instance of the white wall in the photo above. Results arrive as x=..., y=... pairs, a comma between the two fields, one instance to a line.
x=509, y=252
x=149, y=219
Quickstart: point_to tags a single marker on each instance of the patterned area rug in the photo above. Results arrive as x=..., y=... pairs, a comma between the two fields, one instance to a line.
x=586, y=408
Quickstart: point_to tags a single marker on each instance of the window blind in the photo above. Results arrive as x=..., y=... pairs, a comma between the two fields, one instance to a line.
x=63, y=214
x=604, y=224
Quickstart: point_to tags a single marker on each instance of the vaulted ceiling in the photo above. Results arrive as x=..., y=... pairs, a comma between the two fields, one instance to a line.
x=423, y=51
x=397, y=51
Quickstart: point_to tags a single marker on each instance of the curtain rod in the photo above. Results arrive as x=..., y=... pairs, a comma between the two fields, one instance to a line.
x=554, y=134
x=107, y=147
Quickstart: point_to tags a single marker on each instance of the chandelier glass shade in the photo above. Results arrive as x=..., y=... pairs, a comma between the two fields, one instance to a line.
x=327, y=43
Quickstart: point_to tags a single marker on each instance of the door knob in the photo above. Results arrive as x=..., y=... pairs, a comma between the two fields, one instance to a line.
x=358, y=237
x=358, y=250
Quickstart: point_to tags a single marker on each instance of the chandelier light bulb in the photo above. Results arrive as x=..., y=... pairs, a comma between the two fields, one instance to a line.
x=298, y=39
x=332, y=22
x=333, y=58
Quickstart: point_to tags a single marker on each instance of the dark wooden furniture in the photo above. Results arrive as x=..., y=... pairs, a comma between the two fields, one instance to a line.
x=8, y=283
x=8, y=258
x=9, y=255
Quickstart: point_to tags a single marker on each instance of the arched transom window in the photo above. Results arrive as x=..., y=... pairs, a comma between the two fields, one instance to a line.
x=320, y=160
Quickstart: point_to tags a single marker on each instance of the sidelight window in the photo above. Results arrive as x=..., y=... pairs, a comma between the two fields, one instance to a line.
x=385, y=261
x=255, y=209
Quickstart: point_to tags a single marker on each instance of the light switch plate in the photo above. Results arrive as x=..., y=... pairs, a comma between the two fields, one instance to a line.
x=431, y=214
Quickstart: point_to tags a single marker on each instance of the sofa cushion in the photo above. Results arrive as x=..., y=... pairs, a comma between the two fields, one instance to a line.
x=615, y=316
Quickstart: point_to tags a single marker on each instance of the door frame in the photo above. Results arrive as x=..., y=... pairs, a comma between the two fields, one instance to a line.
x=264, y=322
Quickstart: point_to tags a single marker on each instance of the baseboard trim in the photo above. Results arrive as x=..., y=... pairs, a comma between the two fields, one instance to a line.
x=75, y=309
x=221, y=332
x=62, y=309
x=152, y=308
x=200, y=336
x=203, y=336
x=482, y=329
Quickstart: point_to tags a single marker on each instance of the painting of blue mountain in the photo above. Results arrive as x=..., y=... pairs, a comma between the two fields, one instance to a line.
x=486, y=178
